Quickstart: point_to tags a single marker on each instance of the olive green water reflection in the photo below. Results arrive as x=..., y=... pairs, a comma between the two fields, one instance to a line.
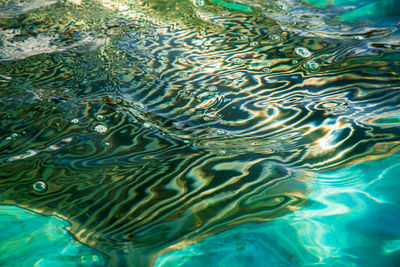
x=154, y=124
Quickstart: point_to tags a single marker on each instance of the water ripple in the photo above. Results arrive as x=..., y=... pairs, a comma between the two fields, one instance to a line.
x=183, y=126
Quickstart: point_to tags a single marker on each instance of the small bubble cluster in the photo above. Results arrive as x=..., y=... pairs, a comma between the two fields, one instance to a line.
x=237, y=60
x=274, y=37
x=267, y=70
x=182, y=60
x=302, y=51
x=311, y=65
x=100, y=128
x=183, y=74
x=199, y=3
x=13, y=136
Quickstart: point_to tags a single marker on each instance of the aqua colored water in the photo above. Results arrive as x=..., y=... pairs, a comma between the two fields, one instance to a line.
x=199, y=133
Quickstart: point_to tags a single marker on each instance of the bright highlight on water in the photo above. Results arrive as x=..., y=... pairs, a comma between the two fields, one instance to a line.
x=199, y=133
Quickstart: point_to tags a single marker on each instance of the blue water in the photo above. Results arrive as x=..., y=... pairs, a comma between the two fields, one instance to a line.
x=31, y=239
x=349, y=225
x=352, y=225
x=276, y=155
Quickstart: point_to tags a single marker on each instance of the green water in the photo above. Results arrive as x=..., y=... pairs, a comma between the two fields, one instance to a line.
x=29, y=239
x=199, y=133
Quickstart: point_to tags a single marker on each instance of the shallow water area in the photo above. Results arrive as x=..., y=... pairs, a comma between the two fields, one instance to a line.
x=192, y=133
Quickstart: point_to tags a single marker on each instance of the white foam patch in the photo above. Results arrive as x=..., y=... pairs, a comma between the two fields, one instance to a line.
x=40, y=44
x=14, y=8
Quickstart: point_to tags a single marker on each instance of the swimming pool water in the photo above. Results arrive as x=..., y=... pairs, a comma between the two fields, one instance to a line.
x=199, y=133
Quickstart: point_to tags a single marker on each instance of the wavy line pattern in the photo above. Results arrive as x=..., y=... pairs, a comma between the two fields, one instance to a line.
x=164, y=129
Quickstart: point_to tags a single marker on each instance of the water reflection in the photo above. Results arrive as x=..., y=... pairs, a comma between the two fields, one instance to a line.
x=182, y=119
x=351, y=220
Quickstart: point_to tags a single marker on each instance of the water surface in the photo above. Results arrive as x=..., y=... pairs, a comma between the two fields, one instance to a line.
x=162, y=130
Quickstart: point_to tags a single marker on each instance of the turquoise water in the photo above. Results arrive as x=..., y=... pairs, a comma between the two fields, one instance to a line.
x=343, y=225
x=348, y=225
x=30, y=239
x=199, y=133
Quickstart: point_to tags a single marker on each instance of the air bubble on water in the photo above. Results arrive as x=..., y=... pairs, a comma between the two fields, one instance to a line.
x=139, y=105
x=100, y=128
x=107, y=144
x=224, y=13
x=222, y=152
x=8, y=138
x=182, y=60
x=14, y=135
x=274, y=37
x=359, y=38
x=237, y=60
x=206, y=95
x=74, y=121
x=89, y=259
x=147, y=124
x=302, y=51
x=266, y=70
x=220, y=132
x=253, y=43
x=199, y=2
x=100, y=117
x=295, y=61
x=311, y=65
x=244, y=37
x=281, y=7
x=163, y=58
x=183, y=74
x=39, y=186
x=184, y=93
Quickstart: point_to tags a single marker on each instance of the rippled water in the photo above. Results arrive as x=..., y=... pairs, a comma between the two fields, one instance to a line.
x=202, y=133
